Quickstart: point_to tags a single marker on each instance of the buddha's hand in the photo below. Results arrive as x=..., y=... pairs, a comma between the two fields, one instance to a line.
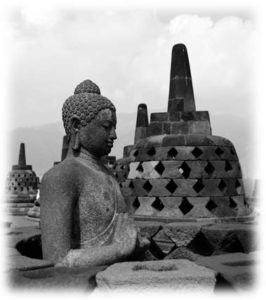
x=125, y=235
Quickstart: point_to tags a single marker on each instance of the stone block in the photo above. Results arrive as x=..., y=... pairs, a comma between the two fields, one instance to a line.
x=20, y=262
x=51, y=279
x=159, y=117
x=232, y=237
x=173, y=140
x=185, y=187
x=164, y=248
x=189, y=116
x=171, y=169
x=159, y=187
x=166, y=128
x=181, y=233
x=140, y=133
x=148, y=228
x=153, y=141
x=171, y=207
x=198, y=140
x=237, y=269
x=199, y=127
x=168, y=274
x=179, y=127
x=220, y=207
x=154, y=128
x=175, y=105
x=198, y=208
x=145, y=207
x=175, y=116
x=220, y=141
x=182, y=253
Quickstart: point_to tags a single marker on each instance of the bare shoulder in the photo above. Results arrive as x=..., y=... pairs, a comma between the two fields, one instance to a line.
x=65, y=175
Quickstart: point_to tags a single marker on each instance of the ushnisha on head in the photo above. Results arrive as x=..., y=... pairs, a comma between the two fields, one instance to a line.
x=89, y=120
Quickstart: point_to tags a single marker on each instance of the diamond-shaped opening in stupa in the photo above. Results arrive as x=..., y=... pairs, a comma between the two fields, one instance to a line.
x=219, y=151
x=198, y=186
x=232, y=203
x=136, y=203
x=157, y=204
x=140, y=167
x=211, y=205
x=197, y=152
x=222, y=186
x=171, y=186
x=151, y=151
x=233, y=151
x=184, y=169
x=147, y=186
x=185, y=206
x=238, y=187
x=159, y=168
x=131, y=184
x=209, y=169
x=172, y=153
x=228, y=166
x=136, y=153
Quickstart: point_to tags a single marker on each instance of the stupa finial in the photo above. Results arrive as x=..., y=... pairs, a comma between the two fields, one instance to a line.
x=142, y=122
x=181, y=96
x=22, y=155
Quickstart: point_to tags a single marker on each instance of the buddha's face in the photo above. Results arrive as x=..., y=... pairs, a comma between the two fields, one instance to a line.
x=98, y=136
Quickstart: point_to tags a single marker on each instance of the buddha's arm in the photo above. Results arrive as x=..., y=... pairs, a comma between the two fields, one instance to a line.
x=57, y=201
x=123, y=244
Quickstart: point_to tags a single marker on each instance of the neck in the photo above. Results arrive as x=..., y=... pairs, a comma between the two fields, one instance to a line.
x=86, y=154
x=83, y=153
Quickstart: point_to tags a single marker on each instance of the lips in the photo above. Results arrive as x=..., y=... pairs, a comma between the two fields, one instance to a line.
x=110, y=144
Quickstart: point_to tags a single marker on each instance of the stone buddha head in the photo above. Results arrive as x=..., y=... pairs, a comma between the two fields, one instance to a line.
x=89, y=120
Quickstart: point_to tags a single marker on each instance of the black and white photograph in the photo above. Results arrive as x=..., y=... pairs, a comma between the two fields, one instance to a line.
x=132, y=145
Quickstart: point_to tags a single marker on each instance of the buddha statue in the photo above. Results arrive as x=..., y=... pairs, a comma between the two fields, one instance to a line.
x=83, y=213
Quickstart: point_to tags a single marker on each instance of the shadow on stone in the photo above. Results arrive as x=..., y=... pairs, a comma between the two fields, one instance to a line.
x=200, y=245
x=31, y=247
x=231, y=244
x=222, y=284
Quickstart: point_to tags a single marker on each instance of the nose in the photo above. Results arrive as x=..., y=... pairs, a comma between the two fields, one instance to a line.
x=113, y=134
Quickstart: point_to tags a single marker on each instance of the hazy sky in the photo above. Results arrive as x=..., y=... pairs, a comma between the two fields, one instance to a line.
x=127, y=53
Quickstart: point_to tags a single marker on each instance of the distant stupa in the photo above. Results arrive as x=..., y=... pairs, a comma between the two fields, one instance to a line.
x=22, y=186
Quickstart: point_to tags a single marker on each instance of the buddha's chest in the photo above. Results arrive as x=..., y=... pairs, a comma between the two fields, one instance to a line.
x=99, y=200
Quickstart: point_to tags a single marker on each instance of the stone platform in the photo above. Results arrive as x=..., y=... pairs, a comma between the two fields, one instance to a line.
x=189, y=239
x=206, y=245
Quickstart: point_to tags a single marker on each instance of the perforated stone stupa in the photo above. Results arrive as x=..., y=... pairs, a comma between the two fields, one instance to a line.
x=177, y=169
x=22, y=186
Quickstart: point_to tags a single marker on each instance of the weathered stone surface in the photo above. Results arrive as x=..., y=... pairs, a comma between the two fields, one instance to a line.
x=182, y=233
x=25, y=263
x=199, y=127
x=182, y=253
x=155, y=128
x=166, y=128
x=168, y=274
x=141, y=123
x=180, y=81
x=236, y=268
x=159, y=117
x=55, y=278
x=235, y=237
x=179, y=127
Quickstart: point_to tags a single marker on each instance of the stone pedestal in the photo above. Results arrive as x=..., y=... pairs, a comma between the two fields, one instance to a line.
x=181, y=275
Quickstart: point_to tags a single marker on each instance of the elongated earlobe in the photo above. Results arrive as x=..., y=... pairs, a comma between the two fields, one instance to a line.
x=76, y=141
